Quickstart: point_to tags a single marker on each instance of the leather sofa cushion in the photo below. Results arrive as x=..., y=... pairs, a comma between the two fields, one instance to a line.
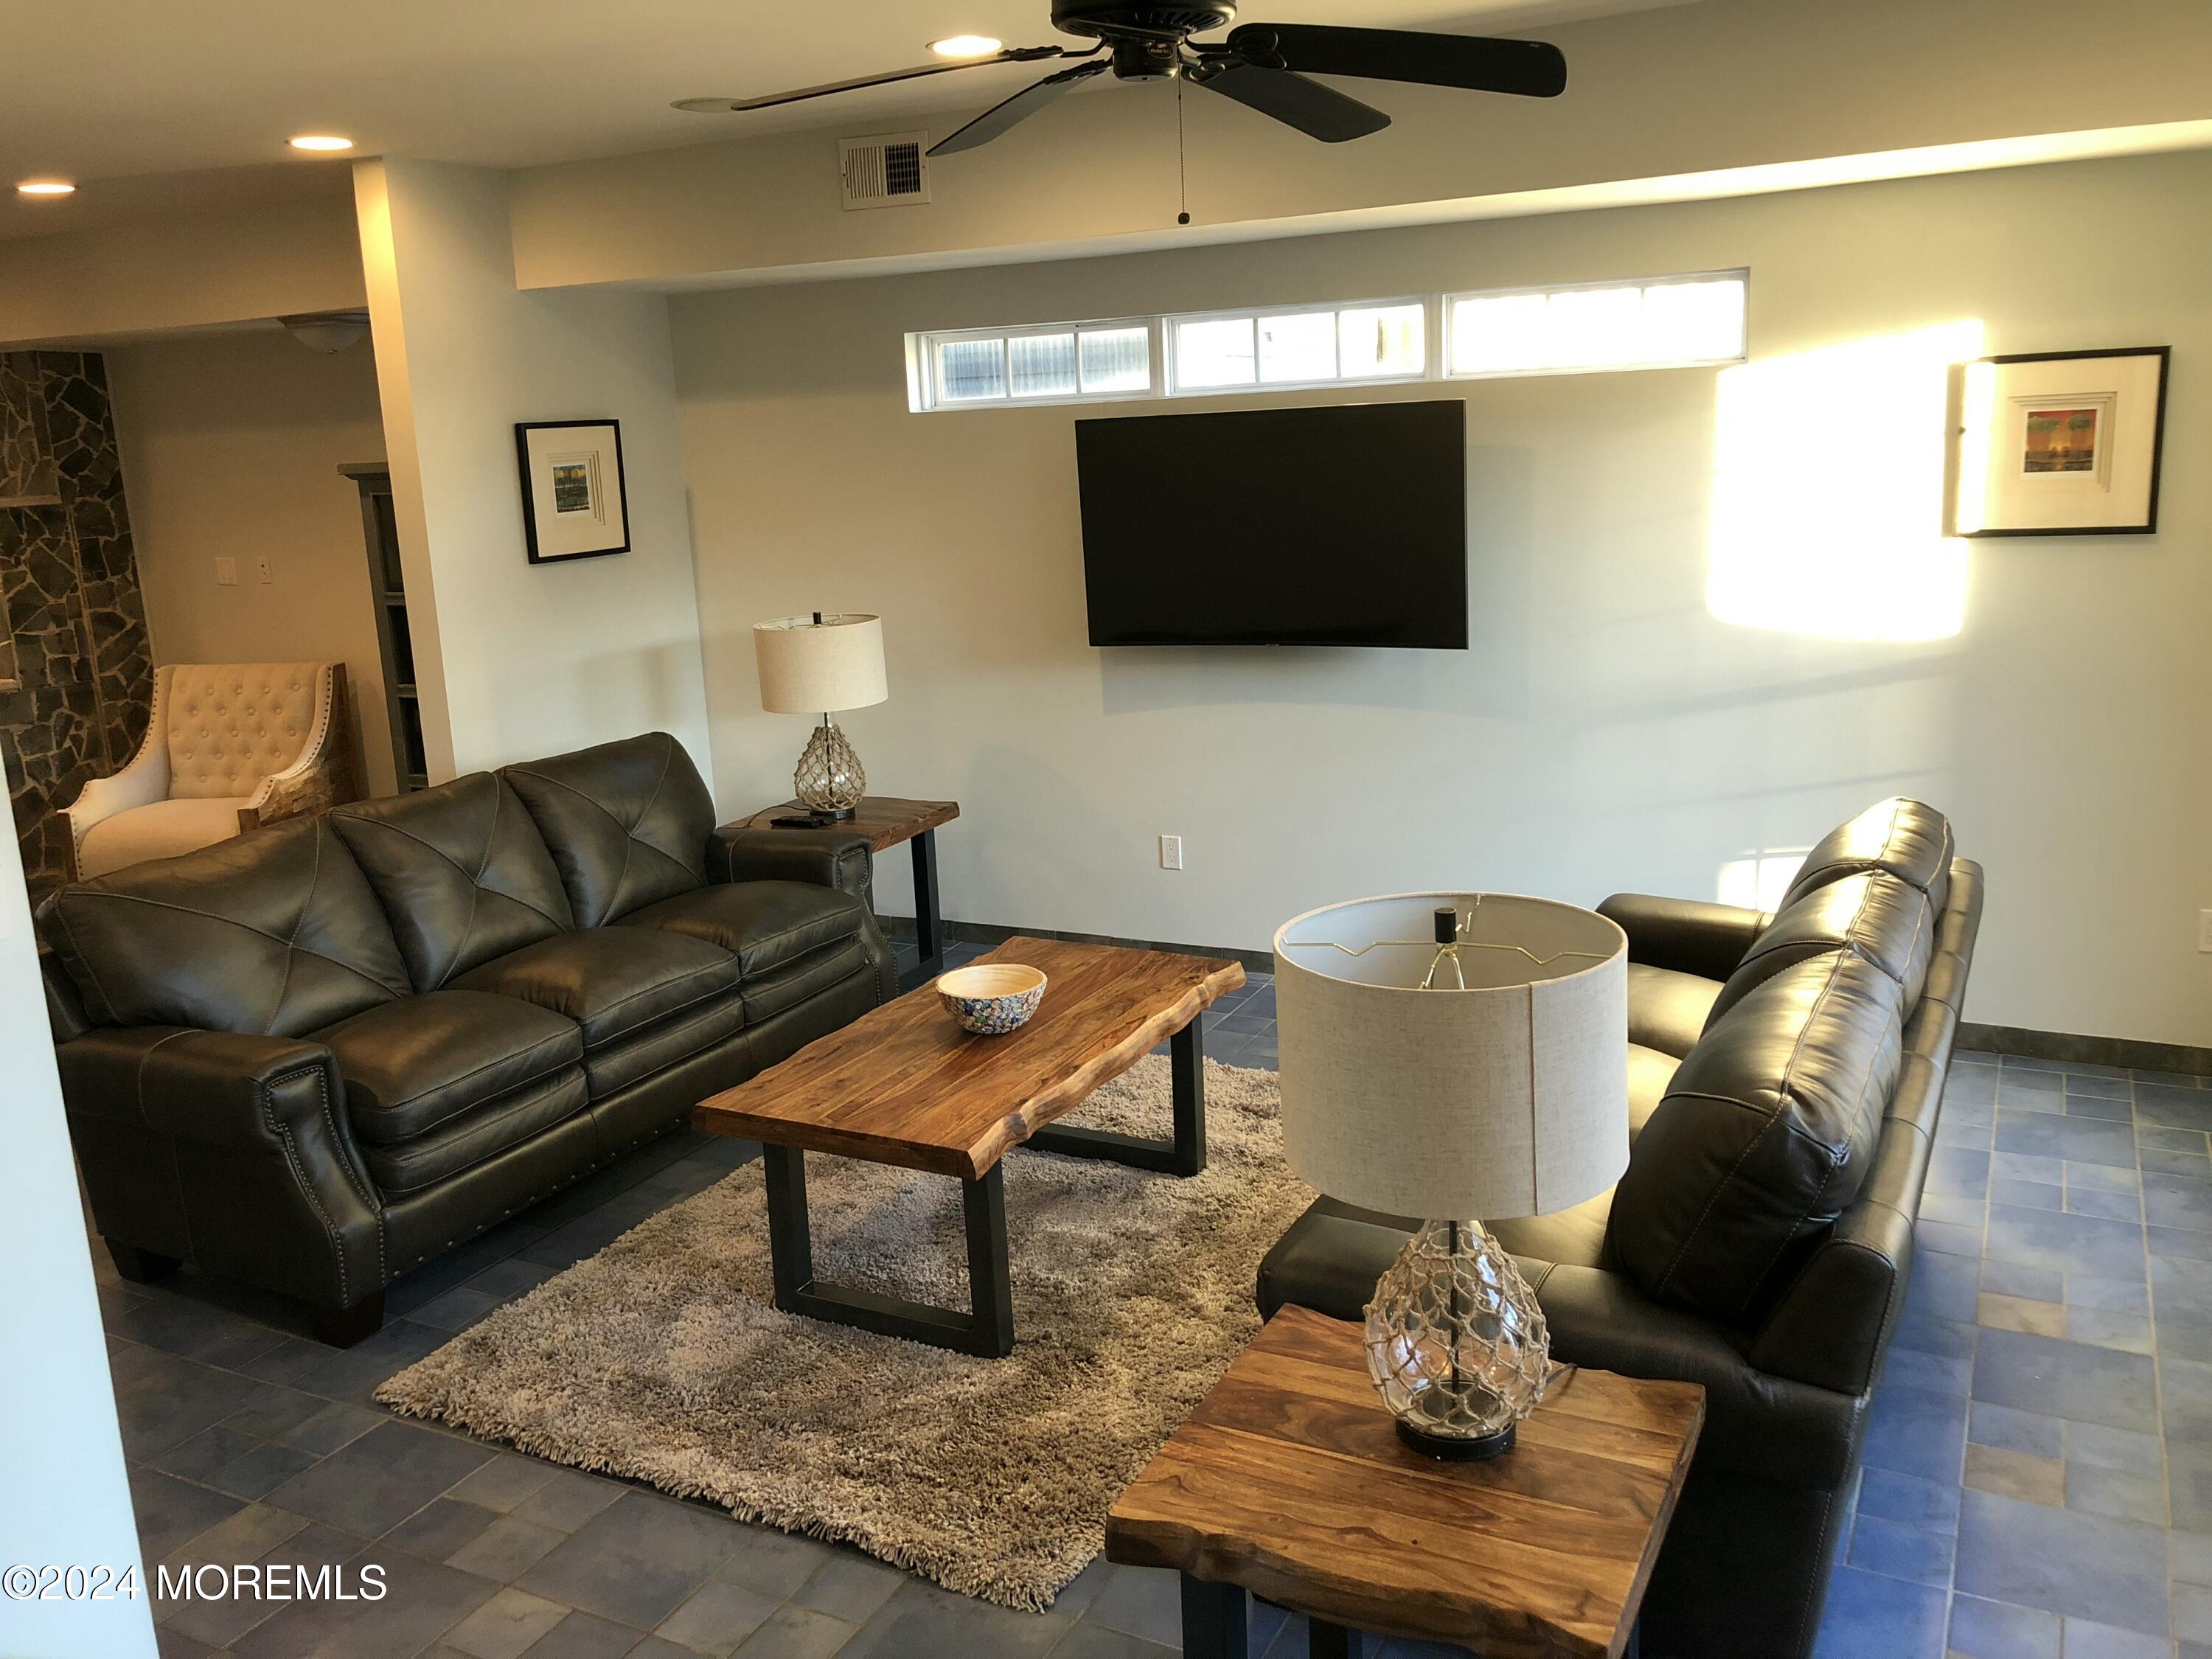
x=1764, y=1135
x=765, y=924
x=615, y=1066
x=272, y=934
x=771, y=994
x=1882, y=917
x=412, y=1065
x=491, y=1128
x=610, y=981
x=461, y=871
x=627, y=823
x=160, y=830
x=1909, y=839
x=1668, y=1010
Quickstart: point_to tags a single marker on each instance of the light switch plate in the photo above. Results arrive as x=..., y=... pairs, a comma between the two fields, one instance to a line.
x=226, y=573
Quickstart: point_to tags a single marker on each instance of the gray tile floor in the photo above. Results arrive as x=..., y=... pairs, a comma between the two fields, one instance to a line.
x=2052, y=1379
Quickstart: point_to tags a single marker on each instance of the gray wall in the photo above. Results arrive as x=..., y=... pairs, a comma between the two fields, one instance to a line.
x=1669, y=570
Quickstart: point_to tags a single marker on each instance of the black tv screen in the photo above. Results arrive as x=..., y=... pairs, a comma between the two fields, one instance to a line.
x=1338, y=526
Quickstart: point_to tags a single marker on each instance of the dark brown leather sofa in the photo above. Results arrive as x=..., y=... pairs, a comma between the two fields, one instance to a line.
x=1786, y=1072
x=319, y=1055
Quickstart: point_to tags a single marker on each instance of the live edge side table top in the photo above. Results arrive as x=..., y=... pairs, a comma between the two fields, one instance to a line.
x=887, y=820
x=1289, y=1481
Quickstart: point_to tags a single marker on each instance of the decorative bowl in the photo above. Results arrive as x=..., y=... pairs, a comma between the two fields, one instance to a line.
x=991, y=998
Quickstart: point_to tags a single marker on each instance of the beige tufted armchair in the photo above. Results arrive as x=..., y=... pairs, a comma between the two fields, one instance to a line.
x=228, y=748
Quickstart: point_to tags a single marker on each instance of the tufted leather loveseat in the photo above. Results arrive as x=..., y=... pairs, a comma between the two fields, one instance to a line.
x=1785, y=1076
x=318, y=1055
x=228, y=747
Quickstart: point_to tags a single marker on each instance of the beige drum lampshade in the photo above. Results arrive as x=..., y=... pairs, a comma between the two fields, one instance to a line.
x=818, y=665
x=1506, y=1098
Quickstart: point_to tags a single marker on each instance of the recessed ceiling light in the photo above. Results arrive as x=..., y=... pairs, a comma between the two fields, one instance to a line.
x=967, y=46
x=321, y=140
x=46, y=187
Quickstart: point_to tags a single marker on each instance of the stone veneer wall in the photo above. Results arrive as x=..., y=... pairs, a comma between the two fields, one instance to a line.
x=76, y=675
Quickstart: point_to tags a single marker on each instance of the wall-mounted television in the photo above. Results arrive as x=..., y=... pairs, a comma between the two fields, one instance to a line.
x=1344, y=525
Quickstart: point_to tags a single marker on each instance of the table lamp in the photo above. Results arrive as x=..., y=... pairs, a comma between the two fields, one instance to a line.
x=815, y=666
x=1447, y=1056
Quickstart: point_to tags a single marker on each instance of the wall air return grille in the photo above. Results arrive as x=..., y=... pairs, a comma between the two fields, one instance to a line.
x=887, y=170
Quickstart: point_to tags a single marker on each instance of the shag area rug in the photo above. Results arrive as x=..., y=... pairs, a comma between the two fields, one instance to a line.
x=661, y=1358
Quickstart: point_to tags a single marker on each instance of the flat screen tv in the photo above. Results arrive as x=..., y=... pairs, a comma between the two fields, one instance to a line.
x=1344, y=525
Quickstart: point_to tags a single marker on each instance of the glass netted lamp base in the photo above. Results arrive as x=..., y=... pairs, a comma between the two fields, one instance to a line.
x=1457, y=1343
x=829, y=781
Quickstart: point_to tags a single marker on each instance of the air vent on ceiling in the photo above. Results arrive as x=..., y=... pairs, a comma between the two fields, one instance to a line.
x=887, y=170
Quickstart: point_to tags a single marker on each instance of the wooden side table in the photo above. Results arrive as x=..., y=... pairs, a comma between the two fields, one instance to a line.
x=887, y=820
x=1290, y=1481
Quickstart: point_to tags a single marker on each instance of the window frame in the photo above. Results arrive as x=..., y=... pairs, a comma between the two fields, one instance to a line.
x=1740, y=274
x=925, y=396
x=1168, y=322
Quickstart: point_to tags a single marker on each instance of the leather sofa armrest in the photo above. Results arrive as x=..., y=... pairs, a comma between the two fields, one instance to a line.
x=244, y=1137
x=216, y=1087
x=1690, y=936
x=1756, y=1424
x=324, y=775
x=828, y=857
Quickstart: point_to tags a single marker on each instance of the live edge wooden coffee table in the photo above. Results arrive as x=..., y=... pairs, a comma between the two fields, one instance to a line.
x=903, y=1084
x=1290, y=1480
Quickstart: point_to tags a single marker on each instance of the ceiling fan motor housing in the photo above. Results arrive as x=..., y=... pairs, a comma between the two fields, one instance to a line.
x=1104, y=19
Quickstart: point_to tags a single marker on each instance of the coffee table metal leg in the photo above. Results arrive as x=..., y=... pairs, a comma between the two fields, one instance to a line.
x=1328, y=1641
x=1184, y=1155
x=1213, y=1620
x=928, y=925
x=987, y=1330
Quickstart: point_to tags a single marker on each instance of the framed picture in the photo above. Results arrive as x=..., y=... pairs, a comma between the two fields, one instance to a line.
x=572, y=502
x=2061, y=443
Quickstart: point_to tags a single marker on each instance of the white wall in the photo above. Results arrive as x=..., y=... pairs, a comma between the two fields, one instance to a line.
x=231, y=449
x=529, y=660
x=189, y=271
x=1606, y=730
x=61, y=1456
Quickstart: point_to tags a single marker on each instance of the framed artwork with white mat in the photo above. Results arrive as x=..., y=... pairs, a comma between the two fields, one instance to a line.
x=574, y=503
x=2061, y=443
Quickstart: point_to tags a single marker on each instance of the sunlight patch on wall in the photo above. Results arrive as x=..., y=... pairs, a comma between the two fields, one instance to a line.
x=1758, y=880
x=1828, y=491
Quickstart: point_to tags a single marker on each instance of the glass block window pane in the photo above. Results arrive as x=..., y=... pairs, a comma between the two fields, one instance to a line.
x=1498, y=335
x=1210, y=354
x=1693, y=322
x=1298, y=348
x=970, y=371
x=1382, y=340
x=1595, y=326
x=1041, y=365
x=1116, y=359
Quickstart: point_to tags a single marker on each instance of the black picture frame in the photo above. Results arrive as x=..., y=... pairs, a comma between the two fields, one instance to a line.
x=531, y=505
x=2149, y=525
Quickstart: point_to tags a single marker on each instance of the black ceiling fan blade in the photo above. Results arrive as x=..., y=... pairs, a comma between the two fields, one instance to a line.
x=1019, y=107
x=1317, y=110
x=724, y=105
x=1532, y=69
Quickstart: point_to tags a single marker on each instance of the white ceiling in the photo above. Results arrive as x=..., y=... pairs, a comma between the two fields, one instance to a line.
x=155, y=106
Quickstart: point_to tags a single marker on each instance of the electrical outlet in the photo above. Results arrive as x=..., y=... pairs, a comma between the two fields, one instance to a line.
x=263, y=570
x=226, y=573
x=1170, y=852
x=2204, y=930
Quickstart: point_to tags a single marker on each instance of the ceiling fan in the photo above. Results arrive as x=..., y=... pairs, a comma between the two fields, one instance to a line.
x=1263, y=66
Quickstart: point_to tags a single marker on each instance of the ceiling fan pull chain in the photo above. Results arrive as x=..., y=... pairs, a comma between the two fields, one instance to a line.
x=1182, y=167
